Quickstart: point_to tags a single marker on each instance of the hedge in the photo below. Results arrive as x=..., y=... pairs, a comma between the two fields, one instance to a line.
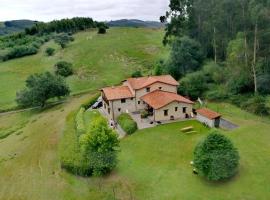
x=71, y=157
x=91, y=102
x=80, y=126
x=127, y=123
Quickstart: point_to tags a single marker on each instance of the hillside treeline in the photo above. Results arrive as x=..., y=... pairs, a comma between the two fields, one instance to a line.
x=29, y=41
x=64, y=25
x=234, y=34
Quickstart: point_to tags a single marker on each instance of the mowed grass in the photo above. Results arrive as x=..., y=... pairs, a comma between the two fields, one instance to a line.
x=153, y=163
x=99, y=60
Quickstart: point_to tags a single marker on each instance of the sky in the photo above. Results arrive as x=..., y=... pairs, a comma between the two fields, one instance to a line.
x=101, y=10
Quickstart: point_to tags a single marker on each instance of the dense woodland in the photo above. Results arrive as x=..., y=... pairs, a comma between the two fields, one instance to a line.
x=226, y=48
x=28, y=42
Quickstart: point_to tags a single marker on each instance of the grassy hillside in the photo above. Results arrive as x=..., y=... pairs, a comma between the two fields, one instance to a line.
x=135, y=23
x=99, y=60
x=153, y=163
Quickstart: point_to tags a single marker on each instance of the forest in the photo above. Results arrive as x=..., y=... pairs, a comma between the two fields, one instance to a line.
x=220, y=49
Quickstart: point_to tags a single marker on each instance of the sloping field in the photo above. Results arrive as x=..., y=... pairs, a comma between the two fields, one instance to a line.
x=153, y=163
x=99, y=60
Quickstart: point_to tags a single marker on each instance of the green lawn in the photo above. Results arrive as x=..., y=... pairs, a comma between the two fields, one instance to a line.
x=99, y=60
x=153, y=163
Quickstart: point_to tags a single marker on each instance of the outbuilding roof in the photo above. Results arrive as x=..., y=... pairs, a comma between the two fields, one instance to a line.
x=208, y=113
x=142, y=82
x=158, y=99
x=119, y=92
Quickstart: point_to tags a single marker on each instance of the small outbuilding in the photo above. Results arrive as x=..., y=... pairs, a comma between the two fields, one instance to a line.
x=208, y=117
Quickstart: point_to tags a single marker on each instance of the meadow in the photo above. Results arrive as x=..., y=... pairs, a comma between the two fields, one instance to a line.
x=154, y=164
x=99, y=60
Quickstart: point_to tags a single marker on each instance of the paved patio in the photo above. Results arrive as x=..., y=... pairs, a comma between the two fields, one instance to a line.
x=146, y=123
x=142, y=123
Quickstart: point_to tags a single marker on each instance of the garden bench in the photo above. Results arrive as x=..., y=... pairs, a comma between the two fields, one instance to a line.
x=190, y=128
x=190, y=132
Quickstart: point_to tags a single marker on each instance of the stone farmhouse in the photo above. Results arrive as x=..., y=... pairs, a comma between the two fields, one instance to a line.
x=155, y=94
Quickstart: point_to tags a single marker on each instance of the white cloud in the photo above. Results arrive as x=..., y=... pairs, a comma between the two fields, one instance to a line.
x=46, y=10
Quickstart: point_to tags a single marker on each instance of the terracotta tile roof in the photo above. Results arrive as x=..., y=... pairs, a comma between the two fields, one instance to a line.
x=158, y=99
x=139, y=83
x=120, y=92
x=208, y=113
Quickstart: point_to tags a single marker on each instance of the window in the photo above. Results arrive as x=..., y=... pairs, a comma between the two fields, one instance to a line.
x=119, y=109
x=109, y=110
x=148, y=89
x=176, y=109
x=139, y=102
x=160, y=88
x=123, y=100
x=131, y=99
x=184, y=110
x=165, y=112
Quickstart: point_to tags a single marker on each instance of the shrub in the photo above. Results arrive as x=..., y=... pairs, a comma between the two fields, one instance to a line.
x=80, y=126
x=144, y=114
x=263, y=83
x=50, y=51
x=63, y=68
x=20, y=51
x=238, y=100
x=91, y=102
x=216, y=158
x=63, y=39
x=159, y=68
x=136, y=74
x=102, y=30
x=127, y=123
x=256, y=105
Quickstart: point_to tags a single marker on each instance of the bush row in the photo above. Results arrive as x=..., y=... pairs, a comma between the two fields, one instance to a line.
x=92, y=153
x=71, y=157
x=19, y=47
x=80, y=126
x=127, y=123
x=91, y=102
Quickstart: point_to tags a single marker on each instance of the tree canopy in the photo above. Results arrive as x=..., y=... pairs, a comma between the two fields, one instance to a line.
x=186, y=56
x=40, y=88
x=100, y=146
x=236, y=32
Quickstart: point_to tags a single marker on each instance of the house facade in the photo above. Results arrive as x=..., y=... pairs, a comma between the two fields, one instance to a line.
x=155, y=94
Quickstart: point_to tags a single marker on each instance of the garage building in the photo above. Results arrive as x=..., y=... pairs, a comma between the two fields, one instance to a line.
x=208, y=117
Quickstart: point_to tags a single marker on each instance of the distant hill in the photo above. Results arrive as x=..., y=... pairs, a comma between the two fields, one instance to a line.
x=8, y=27
x=135, y=23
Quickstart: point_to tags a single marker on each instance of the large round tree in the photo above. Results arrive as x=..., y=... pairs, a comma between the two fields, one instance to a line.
x=216, y=158
x=40, y=88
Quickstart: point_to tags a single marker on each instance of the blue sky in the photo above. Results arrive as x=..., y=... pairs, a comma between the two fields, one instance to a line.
x=47, y=10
